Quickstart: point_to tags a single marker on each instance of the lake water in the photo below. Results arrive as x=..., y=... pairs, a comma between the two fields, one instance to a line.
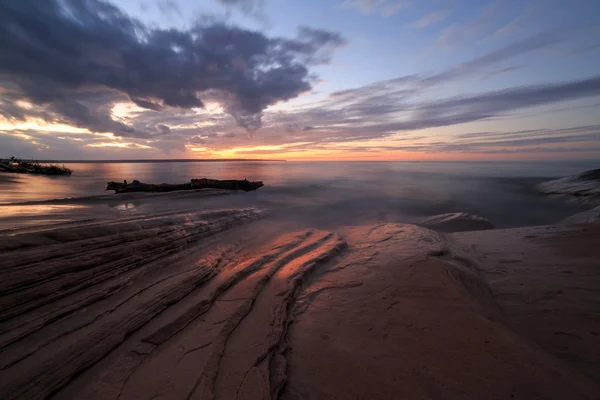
x=318, y=193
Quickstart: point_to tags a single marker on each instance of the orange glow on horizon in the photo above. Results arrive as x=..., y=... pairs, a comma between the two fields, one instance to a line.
x=299, y=151
x=118, y=144
x=340, y=155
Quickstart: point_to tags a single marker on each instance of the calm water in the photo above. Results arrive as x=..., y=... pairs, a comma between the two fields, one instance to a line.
x=318, y=193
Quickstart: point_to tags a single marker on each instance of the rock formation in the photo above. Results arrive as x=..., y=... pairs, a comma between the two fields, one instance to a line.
x=457, y=222
x=586, y=184
x=225, y=304
x=17, y=165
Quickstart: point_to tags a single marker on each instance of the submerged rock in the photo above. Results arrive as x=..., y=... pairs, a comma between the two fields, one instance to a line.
x=583, y=185
x=457, y=222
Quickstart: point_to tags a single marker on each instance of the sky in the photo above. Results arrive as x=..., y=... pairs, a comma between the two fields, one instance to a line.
x=300, y=79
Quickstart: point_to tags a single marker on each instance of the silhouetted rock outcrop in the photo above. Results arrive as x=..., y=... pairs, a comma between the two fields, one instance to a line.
x=19, y=166
x=582, y=185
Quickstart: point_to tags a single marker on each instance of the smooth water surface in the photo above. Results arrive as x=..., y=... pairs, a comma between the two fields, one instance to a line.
x=317, y=193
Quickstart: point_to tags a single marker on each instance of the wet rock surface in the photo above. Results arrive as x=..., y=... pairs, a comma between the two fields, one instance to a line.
x=457, y=222
x=225, y=304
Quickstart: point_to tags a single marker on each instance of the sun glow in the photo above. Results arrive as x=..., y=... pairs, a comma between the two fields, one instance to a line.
x=125, y=110
x=24, y=104
x=38, y=125
x=197, y=149
x=119, y=144
x=263, y=148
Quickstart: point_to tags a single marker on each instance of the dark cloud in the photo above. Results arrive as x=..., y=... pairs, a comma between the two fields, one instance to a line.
x=291, y=127
x=150, y=105
x=163, y=129
x=52, y=51
x=13, y=112
x=315, y=45
x=197, y=140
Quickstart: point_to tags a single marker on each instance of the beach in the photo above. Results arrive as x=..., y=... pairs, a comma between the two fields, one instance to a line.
x=239, y=303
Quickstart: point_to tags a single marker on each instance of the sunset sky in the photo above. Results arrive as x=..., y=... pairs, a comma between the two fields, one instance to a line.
x=300, y=79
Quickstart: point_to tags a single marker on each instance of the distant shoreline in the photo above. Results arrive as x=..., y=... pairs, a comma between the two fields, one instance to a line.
x=155, y=161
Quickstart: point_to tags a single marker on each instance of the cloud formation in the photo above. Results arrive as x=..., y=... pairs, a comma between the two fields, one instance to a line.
x=521, y=47
x=501, y=71
x=383, y=7
x=202, y=89
x=391, y=107
x=455, y=34
x=532, y=11
x=250, y=7
x=75, y=58
x=430, y=19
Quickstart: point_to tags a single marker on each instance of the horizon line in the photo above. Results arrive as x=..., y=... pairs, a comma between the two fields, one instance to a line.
x=159, y=160
x=149, y=160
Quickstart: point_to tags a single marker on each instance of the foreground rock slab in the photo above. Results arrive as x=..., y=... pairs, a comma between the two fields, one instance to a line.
x=403, y=314
x=200, y=306
x=547, y=281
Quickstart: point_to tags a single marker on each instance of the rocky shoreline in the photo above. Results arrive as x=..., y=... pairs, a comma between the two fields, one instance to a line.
x=229, y=304
x=20, y=166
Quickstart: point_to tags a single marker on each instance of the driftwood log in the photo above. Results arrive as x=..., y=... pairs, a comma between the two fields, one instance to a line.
x=137, y=186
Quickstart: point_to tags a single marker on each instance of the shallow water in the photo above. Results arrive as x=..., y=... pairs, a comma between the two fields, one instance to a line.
x=321, y=194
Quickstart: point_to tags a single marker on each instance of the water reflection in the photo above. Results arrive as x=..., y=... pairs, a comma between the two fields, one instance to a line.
x=90, y=179
x=334, y=193
x=37, y=187
x=35, y=209
x=17, y=216
x=124, y=206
